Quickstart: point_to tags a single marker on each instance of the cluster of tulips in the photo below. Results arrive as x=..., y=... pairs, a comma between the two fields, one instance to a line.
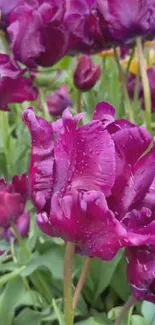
x=92, y=184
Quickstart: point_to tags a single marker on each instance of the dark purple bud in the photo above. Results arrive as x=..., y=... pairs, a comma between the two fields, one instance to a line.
x=86, y=73
x=59, y=100
x=12, y=199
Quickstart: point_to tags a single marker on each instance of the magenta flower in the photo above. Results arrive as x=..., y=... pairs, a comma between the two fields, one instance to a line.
x=141, y=272
x=6, y=7
x=12, y=199
x=14, y=87
x=131, y=84
x=22, y=225
x=83, y=25
x=86, y=73
x=123, y=21
x=59, y=100
x=88, y=183
x=37, y=32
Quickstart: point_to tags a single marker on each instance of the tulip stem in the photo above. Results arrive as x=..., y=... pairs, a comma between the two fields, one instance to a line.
x=20, y=240
x=130, y=302
x=81, y=282
x=146, y=86
x=79, y=101
x=124, y=87
x=68, y=310
x=12, y=249
x=44, y=105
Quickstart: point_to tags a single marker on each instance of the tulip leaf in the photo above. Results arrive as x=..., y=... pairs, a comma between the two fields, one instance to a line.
x=52, y=260
x=90, y=321
x=148, y=311
x=100, y=276
x=122, y=290
x=138, y=320
x=15, y=295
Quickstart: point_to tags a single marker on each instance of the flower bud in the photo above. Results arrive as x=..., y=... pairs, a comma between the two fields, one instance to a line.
x=86, y=73
x=58, y=101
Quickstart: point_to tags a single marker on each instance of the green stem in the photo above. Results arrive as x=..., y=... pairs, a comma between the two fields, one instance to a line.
x=146, y=86
x=124, y=87
x=7, y=277
x=44, y=105
x=131, y=301
x=129, y=62
x=81, y=282
x=68, y=310
x=20, y=240
x=79, y=101
x=5, y=135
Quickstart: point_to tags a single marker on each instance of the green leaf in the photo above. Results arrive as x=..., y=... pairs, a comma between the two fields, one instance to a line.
x=99, y=277
x=28, y=317
x=148, y=311
x=138, y=320
x=90, y=321
x=14, y=295
x=52, y=260
x=119, y=276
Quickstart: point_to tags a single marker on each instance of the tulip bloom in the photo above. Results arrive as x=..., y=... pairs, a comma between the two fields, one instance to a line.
x=122, y=21
x=86, y=73
x=58, y=101
x=12, y=199
x=88, y=183
x=141, y=272
x=14, y=87
x=82, y=24
x=37, y=33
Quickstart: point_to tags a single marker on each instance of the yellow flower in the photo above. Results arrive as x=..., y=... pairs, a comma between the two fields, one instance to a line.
x=134, y=64
x=107, y=53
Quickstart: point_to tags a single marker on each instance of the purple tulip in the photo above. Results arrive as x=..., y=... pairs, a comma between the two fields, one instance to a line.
x=86, y=73
x=22, y=225
x=37, y=32
x=83, y=25
x=141, y=272
x=12, y=199
x=6, y=7
x=131, y=84
x=123, y=21
x=58, y=101
x=14, y=88
x=88, y=183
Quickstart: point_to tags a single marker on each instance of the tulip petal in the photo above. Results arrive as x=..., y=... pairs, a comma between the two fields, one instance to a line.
x=42, y=161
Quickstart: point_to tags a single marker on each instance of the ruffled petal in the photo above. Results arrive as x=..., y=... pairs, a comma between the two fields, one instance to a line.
x=81, y=162
x=16, y=91
x=42, y=160
x=104, y=112
x=130, y=145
